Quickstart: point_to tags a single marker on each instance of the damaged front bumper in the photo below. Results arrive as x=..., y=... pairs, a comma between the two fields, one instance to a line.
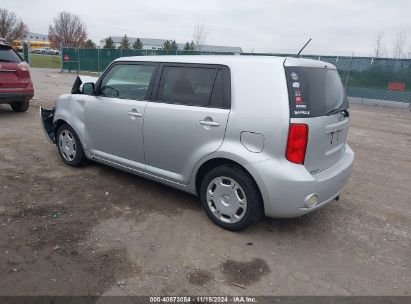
x=47, y=117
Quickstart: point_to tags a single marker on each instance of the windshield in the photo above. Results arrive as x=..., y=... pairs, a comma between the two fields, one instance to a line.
x=7, y=54
x=314, y=92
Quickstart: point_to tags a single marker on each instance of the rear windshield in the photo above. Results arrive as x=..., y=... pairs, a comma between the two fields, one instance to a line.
x=7, y=54
x=314, y=92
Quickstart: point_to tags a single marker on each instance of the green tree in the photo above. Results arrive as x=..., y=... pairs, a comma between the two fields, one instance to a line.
x=89, y=44
x=174, y=46
x=166, y=46
x=137, y=45
x=124, y=44
x=189, y=46
x=109, y=44
x=170, y=45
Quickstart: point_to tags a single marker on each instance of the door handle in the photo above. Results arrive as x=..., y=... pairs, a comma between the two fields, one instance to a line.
x=209, y=123
x=135, y=114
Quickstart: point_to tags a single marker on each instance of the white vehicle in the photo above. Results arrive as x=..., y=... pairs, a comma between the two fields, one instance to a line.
x=38, y=51
x=50, y=51
x=46, y=51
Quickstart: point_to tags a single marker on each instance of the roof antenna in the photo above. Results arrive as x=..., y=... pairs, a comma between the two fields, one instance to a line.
x=298, y=54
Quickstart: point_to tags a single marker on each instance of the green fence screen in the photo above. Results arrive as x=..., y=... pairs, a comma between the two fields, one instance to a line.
x=364, y=77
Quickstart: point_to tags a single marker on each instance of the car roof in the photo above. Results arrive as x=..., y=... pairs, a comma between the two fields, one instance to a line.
x=227, y=60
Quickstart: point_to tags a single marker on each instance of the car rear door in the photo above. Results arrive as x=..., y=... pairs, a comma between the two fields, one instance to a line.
x=114, y=118
x=186, y=119
x=317, y=98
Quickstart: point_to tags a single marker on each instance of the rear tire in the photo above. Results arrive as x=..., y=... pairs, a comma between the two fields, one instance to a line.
x=231, y=198
x=69, y=146
x=20, y=106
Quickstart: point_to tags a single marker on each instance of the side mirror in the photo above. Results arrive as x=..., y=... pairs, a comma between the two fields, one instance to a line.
x=88, y=88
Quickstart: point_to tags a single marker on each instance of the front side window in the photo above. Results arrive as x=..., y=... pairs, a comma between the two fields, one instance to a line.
x=127, y=81
x=187, y=85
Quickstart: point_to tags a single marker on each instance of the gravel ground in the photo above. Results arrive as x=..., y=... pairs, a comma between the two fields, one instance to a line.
x=100, y=231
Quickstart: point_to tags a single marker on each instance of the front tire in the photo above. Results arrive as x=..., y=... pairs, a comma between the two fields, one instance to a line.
x=69, y=146
x=231, y=198
x=20, y=106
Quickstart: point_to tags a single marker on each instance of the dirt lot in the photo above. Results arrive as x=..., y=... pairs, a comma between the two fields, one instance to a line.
x=97, y=230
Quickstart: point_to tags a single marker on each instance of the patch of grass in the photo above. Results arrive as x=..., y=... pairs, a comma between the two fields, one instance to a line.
x=45, y=61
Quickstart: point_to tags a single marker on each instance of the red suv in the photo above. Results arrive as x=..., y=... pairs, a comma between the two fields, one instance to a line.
x=16, y=88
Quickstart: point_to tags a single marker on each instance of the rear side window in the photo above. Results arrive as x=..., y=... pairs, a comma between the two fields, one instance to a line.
x=314, y=92
x=191, y=86
x=7, y=54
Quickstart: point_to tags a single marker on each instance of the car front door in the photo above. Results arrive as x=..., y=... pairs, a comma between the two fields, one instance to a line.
x=186, y=119
x=114, y=117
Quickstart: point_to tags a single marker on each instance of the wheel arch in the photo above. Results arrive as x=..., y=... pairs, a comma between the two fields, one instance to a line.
x=61, y=121
x=58, y=123
x=221, y=161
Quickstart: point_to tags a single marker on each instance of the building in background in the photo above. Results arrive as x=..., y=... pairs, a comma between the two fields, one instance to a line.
x=35, y=37
x=35, y=41
x=157, y=44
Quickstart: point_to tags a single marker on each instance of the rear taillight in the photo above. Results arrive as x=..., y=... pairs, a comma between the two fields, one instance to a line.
x=23, y=66
x=297, y=143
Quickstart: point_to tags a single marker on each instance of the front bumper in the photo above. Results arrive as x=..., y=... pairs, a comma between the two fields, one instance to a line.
x=47, y=121
x=285, y=186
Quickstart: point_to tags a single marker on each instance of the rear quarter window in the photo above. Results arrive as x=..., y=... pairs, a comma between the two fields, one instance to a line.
x=7, y=54
x=314, y=92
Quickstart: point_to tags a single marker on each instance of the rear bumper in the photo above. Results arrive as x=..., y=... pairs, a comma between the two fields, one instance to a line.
x=285, y=186
x=15, y=97
x=47, y=121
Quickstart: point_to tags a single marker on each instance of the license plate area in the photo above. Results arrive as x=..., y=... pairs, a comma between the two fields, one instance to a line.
x=335, y=137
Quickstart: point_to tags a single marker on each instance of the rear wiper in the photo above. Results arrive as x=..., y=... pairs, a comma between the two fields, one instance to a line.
x=335, y=111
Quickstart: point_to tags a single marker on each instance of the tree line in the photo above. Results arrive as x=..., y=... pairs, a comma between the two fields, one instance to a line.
x=68, y=30
x=124, y=44
x=399, y=46
x=168, y=45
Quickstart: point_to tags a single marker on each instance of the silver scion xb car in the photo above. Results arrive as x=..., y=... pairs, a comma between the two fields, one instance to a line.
x=250, y=135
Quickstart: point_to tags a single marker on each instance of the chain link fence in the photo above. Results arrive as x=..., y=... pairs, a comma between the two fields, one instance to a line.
x=384, y=79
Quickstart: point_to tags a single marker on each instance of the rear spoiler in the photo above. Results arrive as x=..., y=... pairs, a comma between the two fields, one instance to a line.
x=80, y=80
x=305, y=62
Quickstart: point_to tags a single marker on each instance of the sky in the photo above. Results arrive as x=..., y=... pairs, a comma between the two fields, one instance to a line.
x=335, y=26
